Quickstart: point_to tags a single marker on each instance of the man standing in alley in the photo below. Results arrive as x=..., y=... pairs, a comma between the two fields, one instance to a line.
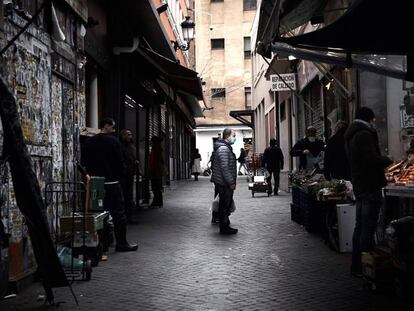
x=308, y=149
x=367, y=176
x=103, y=157
x=224, y=176
x=273, y=162
x=129, y=156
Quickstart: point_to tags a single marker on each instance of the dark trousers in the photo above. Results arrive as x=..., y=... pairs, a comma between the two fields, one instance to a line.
x=276, y=179
x=368, y=206
x=114, y=203
x=226, y=199
x=156, y=185
x=127, y=184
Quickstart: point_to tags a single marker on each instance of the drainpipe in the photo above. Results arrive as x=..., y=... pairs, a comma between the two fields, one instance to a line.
x=93, y=95
x=117, y=50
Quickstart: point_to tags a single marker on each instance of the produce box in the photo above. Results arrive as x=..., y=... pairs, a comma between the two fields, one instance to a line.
x=295, y=213
x=91, y=239
x=400, y=236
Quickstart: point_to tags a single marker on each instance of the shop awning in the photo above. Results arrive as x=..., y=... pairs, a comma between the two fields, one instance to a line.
x=367, y=27
x=183, y=79
x=354, y=36
x=193, y=104
x=134, y=18
x=392, y=66
x=280, y=16
x=240, y=115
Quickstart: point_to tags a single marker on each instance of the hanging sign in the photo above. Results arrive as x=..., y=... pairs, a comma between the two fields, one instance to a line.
x=277, y=84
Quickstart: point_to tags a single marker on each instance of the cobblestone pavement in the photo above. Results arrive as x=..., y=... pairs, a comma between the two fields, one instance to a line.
x=184, y=264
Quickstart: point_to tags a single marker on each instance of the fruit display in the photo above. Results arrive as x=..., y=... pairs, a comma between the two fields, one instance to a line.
x=401, y=172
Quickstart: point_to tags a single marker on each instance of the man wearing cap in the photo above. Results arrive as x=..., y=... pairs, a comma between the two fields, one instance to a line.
x=367, y=177
x=307, y=148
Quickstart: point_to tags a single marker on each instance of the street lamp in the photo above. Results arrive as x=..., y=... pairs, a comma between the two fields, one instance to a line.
x=188, y=34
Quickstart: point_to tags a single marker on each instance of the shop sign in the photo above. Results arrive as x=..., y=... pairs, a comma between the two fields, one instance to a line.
x=278, y=82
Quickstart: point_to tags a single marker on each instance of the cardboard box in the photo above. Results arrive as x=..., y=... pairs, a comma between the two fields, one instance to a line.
x=91, y=239
x=90, y=222
x=377, y=265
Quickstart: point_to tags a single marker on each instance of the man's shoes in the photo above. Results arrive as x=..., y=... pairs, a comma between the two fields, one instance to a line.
x=214, y=221
x=126, y=248
x=153, y=206
x=240, y=174
x=357, y=274
x=276, y=193
x=228, y=230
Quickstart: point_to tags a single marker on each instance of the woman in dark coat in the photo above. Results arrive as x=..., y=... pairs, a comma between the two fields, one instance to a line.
x=242, y=160
x=156, y=170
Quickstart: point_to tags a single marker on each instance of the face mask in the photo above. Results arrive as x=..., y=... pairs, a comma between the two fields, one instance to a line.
x=233, y=140
x=312, y=139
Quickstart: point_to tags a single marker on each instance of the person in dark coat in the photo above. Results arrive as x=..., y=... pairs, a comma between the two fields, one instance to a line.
x=157, y=170
x=242, y=160
x=224, y=176
x=336, y=165
x=195, y=164
x=103, y=157
x=307, y=148
x=273, y=162
x=368, y=178
x=129, y=156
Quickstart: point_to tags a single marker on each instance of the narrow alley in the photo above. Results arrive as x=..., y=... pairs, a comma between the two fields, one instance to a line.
x=184, y=264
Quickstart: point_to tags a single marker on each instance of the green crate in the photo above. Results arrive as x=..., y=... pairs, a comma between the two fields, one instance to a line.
x=96, y=193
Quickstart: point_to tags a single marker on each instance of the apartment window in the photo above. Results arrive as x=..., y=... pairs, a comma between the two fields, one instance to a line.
x=248, y=97
x=218, y=93
x=247, y=48
x=249, y=5
x=217, y=44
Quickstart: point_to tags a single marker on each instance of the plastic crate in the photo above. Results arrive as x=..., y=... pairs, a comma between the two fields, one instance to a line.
x=295, y=213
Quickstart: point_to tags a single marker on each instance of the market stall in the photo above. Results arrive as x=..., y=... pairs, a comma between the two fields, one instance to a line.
x=391, y=265
x=323, y=207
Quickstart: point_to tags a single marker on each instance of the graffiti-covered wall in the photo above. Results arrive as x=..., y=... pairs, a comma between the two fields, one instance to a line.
x=49, y=92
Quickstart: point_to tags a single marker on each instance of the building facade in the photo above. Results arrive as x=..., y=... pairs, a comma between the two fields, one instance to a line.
x=81, y=61
x=223, y=60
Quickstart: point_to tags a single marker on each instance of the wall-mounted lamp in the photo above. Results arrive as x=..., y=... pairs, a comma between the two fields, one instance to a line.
x=188, y=34
x=291, y=57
